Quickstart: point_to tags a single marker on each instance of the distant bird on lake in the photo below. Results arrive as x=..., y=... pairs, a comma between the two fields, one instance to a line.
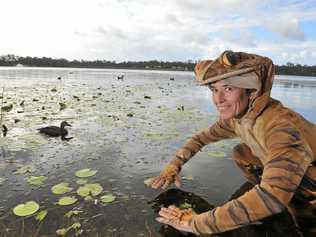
x=54, y=131
x=121, y=77
x=4, y=130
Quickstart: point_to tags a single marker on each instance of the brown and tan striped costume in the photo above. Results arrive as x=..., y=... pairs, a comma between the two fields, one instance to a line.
x=277, y=153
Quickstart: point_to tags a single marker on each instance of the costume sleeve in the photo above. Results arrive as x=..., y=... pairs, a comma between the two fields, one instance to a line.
x=288, y=159
x=218, y=131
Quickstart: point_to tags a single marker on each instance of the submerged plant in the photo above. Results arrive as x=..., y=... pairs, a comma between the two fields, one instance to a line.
x=76, y=226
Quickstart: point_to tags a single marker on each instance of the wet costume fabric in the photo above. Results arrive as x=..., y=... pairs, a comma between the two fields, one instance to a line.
x=277, y=153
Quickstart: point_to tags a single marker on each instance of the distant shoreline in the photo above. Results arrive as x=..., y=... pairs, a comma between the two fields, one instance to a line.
x=145, y=69
x=14, y=60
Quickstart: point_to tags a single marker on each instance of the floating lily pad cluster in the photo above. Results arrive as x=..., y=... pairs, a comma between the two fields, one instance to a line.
x=86, y=190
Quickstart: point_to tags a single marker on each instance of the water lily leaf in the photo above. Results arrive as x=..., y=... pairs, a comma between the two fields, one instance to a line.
x=108, y=198
x=82, y=181
x=26, y=209
x=185, y=205
x=93, y=189
x=61, y=188
x=217, y=154
x=36, y=180
x=62, y=232
x=25, y=169
x=84, y=173
x=2, y=180
x=189, y=177
x=72, y=213
x=76, y=225
x=64, y=201
x=88, y=198
x=41, y=215
x=148, y=181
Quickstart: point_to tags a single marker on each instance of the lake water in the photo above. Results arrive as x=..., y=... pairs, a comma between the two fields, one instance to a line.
x=126, y=130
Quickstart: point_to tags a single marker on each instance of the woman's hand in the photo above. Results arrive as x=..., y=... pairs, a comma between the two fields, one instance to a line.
x=178, y=219
x=169, y=175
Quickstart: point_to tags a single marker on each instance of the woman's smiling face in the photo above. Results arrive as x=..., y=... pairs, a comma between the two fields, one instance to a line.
x=230, y=101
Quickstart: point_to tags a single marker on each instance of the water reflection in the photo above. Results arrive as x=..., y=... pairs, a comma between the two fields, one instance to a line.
x=278, y=225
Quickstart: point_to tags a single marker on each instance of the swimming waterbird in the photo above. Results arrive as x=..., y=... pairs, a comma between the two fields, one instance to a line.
x=54, y=131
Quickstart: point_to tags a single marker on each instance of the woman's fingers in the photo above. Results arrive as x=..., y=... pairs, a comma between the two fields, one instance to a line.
x=175, y=223
x=169, y=213
x=166, y=184
x=165, y=181
x=174, y=208
x=158, y=182
x=177, y=181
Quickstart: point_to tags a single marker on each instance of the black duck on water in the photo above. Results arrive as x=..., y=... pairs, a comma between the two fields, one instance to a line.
x=54, y=131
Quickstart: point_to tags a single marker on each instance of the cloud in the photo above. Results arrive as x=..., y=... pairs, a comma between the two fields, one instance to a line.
x=287, y=27
x=163, y=30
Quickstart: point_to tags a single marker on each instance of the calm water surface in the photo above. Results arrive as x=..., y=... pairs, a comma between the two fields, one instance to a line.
x=126, y=130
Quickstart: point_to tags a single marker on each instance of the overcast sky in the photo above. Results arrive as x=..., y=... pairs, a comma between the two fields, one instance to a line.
x=164, y=30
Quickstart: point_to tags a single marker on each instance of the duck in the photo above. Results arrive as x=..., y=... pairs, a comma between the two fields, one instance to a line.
x=54, y=131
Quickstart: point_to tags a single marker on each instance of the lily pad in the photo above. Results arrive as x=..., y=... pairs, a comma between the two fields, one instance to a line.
x=25, y=169
x=36, y=180
x=82, y=181
x=185, y=205
x=64, y=201
x=189, y=177
x=2, y=180
x=217, y=154
x=26, y=209
x=41, y=215
x=93, y=189
x=63, y=231
x=148, y=181
x=108, y=198
x=84, y=173
x=72, y=213
x=61, y=188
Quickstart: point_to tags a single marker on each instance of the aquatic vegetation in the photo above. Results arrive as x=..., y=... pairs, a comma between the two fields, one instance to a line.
x=148, y=181
x=36, y=180
x=76, y=226
x=217, y=154
x=108, y=198
x=26, y=209
x=40, y=216
x=7, y=108
x=82, y=181
x=158, y=135
x=61, y=188
x=189, y=177
x=84, y=173
x=2, y=180
x=65, y=201
x=185, y=205
x=93, y=189
x=25, y=169
x=72, y=213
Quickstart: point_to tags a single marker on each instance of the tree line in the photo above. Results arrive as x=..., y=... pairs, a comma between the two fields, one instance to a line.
x=12, y=60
